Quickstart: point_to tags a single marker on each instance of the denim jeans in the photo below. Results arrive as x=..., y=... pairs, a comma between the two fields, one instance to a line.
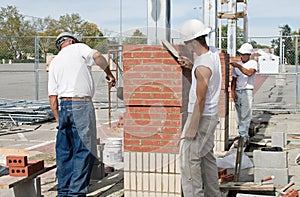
x=75, y=147
x=243, y=106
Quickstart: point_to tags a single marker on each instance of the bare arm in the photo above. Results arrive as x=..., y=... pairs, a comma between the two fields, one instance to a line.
x=245, y=71
x=233, y=87
x=102, y=63
x=54, y=106
x=202, y=75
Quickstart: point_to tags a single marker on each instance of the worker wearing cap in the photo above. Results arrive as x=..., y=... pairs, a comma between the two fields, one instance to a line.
x=71, y=82
x=242, y=84
x=198, y=163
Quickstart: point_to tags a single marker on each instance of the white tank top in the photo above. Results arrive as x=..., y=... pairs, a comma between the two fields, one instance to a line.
x=211, y=60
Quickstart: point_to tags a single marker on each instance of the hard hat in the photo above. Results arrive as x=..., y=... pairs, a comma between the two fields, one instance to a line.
x=246, y=48
x=62, y=37
x=194, y=28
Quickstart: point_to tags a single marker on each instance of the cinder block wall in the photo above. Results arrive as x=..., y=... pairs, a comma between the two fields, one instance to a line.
x=156, y=95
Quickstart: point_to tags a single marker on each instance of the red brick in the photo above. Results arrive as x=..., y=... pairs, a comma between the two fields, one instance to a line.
x=28, y=170
x=152, y=61
x=20, y=161
x=222, y=172
x=291, y=193
x=227, y=178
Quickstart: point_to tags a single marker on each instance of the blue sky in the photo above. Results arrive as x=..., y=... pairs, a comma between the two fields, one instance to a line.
x=265, y=16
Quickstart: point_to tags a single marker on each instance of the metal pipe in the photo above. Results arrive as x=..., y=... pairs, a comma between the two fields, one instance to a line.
x=297, y=72
x=36, y=66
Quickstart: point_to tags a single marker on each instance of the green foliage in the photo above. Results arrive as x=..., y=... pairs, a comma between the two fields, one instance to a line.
x=287, y=42
x=13, y=25
x=137, y=38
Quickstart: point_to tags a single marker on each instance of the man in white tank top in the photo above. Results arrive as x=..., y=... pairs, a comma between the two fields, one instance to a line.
x=198, y=163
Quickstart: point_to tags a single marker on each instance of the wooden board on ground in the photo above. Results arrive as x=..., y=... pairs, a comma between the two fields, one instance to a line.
x=246, y=186
x=13, y=151
x=7, y=181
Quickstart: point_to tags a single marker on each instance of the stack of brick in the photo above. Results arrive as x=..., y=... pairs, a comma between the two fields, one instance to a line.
x=271, y=163
x=224, y=177
x=156, y=95
x=20, y=166
x=291, y=193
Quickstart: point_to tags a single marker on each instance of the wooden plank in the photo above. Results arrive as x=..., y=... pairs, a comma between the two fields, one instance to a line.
x=170, y=48
x=246, y=186
x=7, y=181
x=14, y=152
x=226, y=15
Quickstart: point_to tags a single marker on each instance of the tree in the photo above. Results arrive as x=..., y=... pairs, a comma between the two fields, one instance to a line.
x=12, y=23
x=288, y=46
x=239, y=37
x=137, y=38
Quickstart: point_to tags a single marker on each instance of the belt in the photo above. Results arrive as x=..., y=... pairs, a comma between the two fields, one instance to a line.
x=86, y=98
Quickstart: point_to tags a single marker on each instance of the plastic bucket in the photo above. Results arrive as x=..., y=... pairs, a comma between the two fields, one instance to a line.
x=112, y=152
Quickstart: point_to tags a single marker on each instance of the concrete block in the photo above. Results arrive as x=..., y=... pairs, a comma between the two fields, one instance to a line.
x=28, y=170
x=281, y=175
x=279, y=139
x=270, y=159
x=18, y=161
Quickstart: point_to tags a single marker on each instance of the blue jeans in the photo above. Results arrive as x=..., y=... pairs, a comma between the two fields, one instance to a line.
x=243, y=106
x=75, y=147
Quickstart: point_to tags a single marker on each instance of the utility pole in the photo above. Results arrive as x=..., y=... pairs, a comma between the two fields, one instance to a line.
x=232, y=15
x=210, y=19
x=245, y=21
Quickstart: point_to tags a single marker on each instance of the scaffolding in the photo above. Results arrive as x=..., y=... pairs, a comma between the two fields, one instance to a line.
x=114, y=55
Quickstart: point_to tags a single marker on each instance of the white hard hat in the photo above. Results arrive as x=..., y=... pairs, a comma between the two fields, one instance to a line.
x=194, y=28
x=246, y=48
x=61, y=38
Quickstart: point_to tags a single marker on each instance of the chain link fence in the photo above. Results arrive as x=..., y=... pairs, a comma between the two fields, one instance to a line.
x=23, y=67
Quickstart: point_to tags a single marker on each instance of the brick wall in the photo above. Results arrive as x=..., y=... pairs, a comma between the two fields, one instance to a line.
x=156, y=95
x=154, y=98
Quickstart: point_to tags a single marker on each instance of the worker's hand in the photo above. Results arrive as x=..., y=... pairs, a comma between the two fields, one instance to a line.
x=185, y=62
x=111, y=80
x=190, y=134
x=233, y=95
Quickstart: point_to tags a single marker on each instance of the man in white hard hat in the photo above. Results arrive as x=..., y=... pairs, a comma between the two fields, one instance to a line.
x=71, y=82
x=198, y=163
x=242, y=84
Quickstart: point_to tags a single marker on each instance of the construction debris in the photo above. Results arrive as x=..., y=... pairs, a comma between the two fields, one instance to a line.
x=15, y=113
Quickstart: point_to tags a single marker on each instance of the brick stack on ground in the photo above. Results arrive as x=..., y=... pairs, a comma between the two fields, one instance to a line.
x=20, y=166
x=156, y=96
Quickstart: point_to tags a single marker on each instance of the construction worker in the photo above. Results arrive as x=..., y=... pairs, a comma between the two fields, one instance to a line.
x=198, y=163
x=71, y=82
x=242, y=84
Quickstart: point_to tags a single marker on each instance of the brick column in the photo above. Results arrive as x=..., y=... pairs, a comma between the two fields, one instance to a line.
x=153, y=96
x=156, y=95
x=222, y=130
